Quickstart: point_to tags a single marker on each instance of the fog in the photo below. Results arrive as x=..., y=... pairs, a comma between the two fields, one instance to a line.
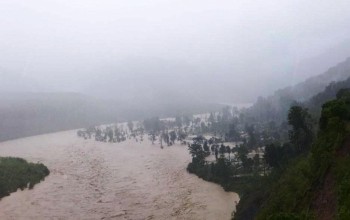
x=238, y=49
x=128, y=109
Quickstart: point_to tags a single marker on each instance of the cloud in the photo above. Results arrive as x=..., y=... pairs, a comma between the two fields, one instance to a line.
x=70, y=45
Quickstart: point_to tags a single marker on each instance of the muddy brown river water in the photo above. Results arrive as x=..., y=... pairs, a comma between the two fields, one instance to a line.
x=94, y=180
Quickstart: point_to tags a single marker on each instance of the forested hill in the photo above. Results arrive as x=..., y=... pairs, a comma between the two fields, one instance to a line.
x=276, y=106
x=310, y=87
x=316, y=184
x=314, y=103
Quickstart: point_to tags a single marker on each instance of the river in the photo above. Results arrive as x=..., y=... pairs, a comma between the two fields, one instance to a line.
x=94, y=180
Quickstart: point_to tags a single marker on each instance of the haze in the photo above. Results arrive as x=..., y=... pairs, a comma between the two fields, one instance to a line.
x=220, y=51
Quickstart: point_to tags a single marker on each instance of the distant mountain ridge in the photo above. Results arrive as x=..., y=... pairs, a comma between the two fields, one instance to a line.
x=27, y=114
x=276, y=106
x=322, y=62
x=313, y=85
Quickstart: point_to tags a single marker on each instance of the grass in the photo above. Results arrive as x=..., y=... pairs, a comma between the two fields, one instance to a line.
x=17, y=173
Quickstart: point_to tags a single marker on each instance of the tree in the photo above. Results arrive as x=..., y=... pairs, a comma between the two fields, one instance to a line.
x=223, y=169
x=256, y=160
x=130, y=126
x=199, y=139
x=197, y=153
x=232, y=132
x=301, y=134
x=181, y=135
x=206, y=148
x=153, y=137
x=203, y=127
x=178, y=121
x=211, y=118
x=226, y=113
x=222, y=150
x=242, y=153
x=152, y=124
x=165, y=137
x=110, y=134
x=343, y=93
x=252, y=139
x=228, y=150
x=172, y=135
x=273, y=155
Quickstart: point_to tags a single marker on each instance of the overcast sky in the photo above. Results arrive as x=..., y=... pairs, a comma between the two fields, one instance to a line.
x=81, y=45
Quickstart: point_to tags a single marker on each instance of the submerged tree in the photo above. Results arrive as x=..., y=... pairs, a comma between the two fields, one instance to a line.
x=178, y=121
x=130, y=126
x=222, y=150
x=173, y=136
x=228, y=150
x=197, y=153
x=206, y=148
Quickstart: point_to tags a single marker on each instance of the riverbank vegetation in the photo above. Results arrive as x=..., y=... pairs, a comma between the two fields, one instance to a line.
x=17, y=173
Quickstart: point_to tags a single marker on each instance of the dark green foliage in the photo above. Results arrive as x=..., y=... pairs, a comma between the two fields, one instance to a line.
x=332, y=91
x=197, y=153
x=16, y=173
x=301, y=134
x=299, y=173
x=343, y=187
x=292, y=195
x=199, y=139
x=276, y=155
x=232, y=134
x=206, y=148
x=228, y=150
x=288, y=216
x=252, y=142
x=222, y=150
x=343, y=93
x=220, y=172
x=181, y=135
x=242, y=152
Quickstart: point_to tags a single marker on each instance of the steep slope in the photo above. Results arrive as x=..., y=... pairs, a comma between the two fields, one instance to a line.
x=330, y=92
x=316, y=185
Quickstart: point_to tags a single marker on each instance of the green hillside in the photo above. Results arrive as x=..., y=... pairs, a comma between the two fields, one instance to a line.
x=315, y=184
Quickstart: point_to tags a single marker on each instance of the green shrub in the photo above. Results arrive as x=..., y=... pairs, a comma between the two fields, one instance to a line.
x=16, y=173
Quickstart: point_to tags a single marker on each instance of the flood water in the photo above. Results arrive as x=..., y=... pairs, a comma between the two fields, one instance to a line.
x=129, y=180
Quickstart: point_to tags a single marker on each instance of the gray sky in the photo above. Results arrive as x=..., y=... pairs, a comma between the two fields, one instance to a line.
x=251, y=47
